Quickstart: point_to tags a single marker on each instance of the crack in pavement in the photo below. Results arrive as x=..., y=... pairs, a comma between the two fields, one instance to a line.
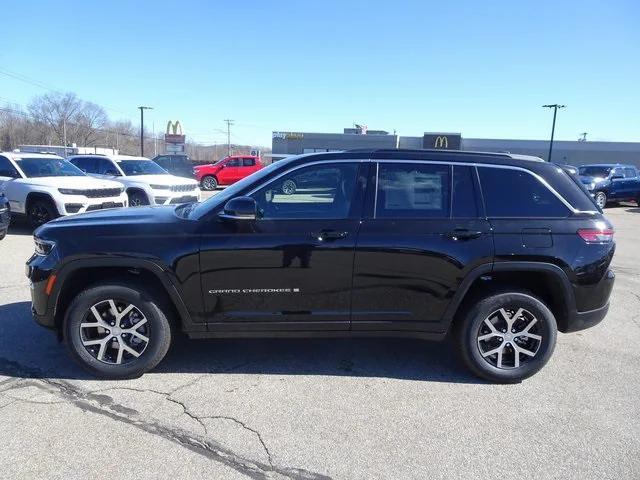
x=196, y=417
x=104, y=405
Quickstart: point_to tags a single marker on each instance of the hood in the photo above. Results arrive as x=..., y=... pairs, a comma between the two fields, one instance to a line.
x=80, y=182
x=136, y=220
x=167, y=180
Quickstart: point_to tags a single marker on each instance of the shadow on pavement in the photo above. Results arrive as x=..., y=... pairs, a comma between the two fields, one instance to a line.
x=28, y=350
x=20, y=226
x=633, y=210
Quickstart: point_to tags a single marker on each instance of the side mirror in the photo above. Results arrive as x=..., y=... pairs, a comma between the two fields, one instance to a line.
x=240, y=208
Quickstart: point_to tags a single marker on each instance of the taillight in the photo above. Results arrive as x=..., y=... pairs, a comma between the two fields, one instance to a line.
x=596, y=235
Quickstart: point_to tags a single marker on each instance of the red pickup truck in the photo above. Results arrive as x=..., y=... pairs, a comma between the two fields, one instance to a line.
x=227, y=171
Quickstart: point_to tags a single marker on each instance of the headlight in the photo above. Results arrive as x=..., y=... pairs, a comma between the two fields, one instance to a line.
x=43, y=247
x=592, y=186
x=160, y=187
x=70, y=191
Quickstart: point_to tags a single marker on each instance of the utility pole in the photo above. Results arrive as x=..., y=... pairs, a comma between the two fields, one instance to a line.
x=64, y=135
x=555, y=107
x=142, y=109
x=229, y=123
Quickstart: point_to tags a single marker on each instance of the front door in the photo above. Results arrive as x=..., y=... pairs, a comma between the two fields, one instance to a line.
x=423, y=232
x=293, y=266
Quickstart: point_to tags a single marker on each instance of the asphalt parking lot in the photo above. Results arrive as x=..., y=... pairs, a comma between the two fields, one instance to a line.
x=347, y=408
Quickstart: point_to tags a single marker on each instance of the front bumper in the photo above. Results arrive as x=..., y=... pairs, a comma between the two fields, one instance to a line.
x=71, y=204
x=166, y=197
x=39, y=270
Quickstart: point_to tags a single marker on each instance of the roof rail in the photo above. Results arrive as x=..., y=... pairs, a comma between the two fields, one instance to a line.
x=422, y=150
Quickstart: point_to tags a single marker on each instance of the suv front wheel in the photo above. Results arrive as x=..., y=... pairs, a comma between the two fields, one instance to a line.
x=506, y=337
x=117, y=331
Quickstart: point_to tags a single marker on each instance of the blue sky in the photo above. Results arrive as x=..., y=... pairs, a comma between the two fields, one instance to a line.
x=482, y=68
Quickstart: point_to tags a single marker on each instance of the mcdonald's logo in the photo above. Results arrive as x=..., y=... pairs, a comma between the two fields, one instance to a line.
x=441, y=142
x=174, y=128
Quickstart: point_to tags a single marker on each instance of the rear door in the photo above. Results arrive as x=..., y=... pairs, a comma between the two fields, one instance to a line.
x=528, y=220
x=631, y=183
x=422, y=234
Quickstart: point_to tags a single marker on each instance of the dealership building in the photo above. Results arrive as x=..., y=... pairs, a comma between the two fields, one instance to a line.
x=566, y=152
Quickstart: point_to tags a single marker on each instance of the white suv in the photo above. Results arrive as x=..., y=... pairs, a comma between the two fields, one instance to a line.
x=146, y=182
x=44, y=186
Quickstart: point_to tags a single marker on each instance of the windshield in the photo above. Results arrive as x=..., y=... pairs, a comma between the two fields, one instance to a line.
x=595, y=171
x=201, y=209
x=141, y=167
x=48, y=167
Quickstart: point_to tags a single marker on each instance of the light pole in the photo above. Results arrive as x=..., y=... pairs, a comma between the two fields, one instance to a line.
x=142, y=109
x=555, y=107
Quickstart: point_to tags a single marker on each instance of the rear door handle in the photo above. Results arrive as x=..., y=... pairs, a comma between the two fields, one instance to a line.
x=330, y=235
x=463, y=234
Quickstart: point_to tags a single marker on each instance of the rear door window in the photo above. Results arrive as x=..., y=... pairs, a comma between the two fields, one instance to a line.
x=517, y=193
x=413, y=190
x=248, y=162
x=234, y=162
x=630, y=173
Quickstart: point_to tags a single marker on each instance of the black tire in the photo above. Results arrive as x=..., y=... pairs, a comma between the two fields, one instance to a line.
x=209, y=183
x=472, y=325
x=600, y=198
x=41, y=211
x=158, y=332
x=137, y=198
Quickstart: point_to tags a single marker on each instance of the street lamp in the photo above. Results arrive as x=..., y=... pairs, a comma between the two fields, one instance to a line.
x=555, y=107
x=142, y=109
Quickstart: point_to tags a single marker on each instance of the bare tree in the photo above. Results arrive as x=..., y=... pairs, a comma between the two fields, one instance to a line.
x=57, y=112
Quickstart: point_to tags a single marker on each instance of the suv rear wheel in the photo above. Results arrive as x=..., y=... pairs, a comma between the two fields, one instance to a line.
x=40, y=212
x=507, y=337
x=117, y=331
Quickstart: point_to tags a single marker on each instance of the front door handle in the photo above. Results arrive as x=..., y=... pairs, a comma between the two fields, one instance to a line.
x=463, y=234
x=324, y=235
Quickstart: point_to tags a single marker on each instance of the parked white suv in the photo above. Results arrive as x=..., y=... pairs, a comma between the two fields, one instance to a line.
x=146, y=182
x=44, y=186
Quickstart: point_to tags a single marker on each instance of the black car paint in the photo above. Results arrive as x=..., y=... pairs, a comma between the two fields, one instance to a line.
x=404, y=277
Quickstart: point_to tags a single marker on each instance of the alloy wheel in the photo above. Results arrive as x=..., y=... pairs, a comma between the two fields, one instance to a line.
x=289, y=187
x=114, y=332
x=509, y=338
x=601, y=199
x=209, y=183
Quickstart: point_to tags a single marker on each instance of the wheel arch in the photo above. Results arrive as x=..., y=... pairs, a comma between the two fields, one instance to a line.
x=544, y=280
x=80, y=274
x=34, y=196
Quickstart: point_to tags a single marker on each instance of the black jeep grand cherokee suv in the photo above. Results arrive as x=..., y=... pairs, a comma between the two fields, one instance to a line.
x=498, y=250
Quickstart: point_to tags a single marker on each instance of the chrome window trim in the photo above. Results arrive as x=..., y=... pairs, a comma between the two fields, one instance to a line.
x=433, y=162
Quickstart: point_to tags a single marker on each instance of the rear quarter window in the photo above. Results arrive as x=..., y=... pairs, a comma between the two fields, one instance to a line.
x=517, y=193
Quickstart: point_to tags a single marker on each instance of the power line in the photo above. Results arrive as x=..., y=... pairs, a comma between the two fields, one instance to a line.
x=37, y=83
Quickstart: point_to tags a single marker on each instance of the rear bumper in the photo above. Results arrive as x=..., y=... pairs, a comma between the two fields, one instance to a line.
x=580, y=320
